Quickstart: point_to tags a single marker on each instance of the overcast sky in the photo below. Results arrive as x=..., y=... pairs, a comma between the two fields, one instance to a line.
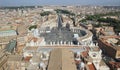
x=59, y=2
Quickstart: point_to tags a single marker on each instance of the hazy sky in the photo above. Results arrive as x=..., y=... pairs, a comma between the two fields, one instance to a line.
x=58, y=2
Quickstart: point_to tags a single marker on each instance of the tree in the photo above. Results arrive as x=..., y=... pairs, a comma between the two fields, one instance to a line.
x=33, y=26
x=46, y=13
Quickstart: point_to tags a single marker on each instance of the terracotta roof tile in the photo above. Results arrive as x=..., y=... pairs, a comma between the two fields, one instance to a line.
x=91, y=67
x=115, y=64
x=27, y=58
x=84, y=54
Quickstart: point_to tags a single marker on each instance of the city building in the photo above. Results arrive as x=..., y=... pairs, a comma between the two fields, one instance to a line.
x=107, y=31
x=15, y=62
x=56, y=42
x=8, y=33
x=36, y=42
x=93, y=59
x=3, y=60
x=110, y=43
x=87, y=25
x=114, y=65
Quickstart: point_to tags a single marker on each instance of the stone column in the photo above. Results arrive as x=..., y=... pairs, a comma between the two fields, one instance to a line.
x=78, y=43
x=64, y=42
x=50, y=43
x=53, y=43
x=71, y=43
x=61, y=42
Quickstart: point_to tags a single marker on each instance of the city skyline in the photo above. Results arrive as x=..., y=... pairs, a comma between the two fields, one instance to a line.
x=59, y=35
x=59, y=2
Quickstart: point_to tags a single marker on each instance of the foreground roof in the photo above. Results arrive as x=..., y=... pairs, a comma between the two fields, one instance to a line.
x=61, y=59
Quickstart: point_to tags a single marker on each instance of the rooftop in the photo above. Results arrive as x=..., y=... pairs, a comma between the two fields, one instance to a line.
x=61, y=59
x=91, y=67
x=115, y=64
x=8, y=33
x=11, y=45
x=5, y=40
x=111, y=41
x=94, y=49
x=102, y=63
x=15, y=58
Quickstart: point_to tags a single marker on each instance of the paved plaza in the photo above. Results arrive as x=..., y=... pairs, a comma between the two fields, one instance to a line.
x=62, y=35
